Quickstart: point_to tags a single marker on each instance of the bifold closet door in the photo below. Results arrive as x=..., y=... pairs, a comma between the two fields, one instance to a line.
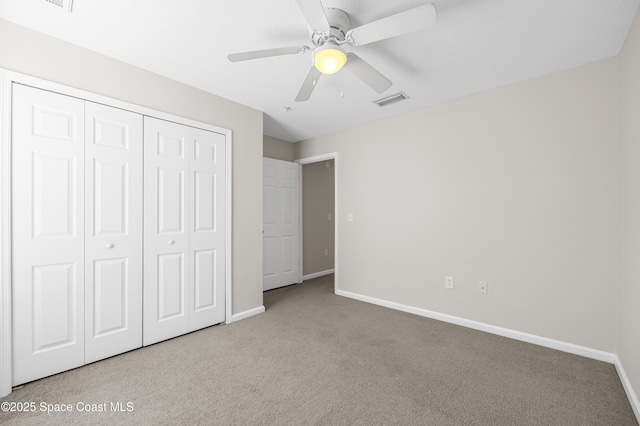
x=77, y=232
x=113, y=237
x=48, y=233
x=166, y=209
x=184, y=204
x=207, y=242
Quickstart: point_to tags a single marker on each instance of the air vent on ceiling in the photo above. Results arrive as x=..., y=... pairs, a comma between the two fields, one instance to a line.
x=64, y=4
x=391, y=99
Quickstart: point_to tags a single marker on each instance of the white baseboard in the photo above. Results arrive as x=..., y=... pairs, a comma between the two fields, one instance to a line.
x=626, y=384
x=500, y=331
x=318, y=274
x=246, y=314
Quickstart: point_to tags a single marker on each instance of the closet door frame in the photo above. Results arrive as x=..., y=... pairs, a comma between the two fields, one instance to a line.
x=7, y=79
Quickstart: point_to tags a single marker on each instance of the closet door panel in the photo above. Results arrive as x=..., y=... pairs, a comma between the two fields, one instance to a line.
x=113, y=263
x=207, y=236
x=166, y=239
x=48, y=233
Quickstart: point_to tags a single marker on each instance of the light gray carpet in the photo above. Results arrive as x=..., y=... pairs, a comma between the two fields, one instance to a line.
x=320, y=359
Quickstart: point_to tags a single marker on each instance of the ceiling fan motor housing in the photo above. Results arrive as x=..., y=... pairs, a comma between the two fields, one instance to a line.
x=339, y=23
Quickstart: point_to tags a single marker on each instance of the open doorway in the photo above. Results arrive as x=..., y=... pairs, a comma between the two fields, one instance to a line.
x=318, y=205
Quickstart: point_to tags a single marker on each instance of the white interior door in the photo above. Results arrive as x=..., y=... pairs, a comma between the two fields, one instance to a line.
x=166, y=240
x=281, y=263
x=48, y=233
x=185, y=243
x=78, y=231
x=207, y=242
x=113, y=237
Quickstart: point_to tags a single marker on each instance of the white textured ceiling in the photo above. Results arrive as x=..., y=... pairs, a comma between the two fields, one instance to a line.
x=476, y=45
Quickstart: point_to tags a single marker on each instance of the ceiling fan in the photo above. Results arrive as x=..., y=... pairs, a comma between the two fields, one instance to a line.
x=330, y=29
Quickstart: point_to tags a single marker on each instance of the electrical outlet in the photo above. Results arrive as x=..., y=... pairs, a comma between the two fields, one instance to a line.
x=349, y=217
x=483, y=287
x=326, y=252
x=448, y=283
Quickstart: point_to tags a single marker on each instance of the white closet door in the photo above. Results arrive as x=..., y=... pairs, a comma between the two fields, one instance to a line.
x=48, y=233
x=113, y=237
x=166, y=236
x=185, y=249
x=281, y=259
x=207, y=247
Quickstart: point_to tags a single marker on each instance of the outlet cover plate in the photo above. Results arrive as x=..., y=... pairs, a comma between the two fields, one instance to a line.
x=448, y=283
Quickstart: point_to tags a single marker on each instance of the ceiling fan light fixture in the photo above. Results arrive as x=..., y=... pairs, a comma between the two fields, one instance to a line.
x=329, y=59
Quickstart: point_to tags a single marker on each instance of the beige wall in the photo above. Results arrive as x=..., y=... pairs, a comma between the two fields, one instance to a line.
x=317, y=203
x=32, y=53
x=517, y=186
x=277, y=148
x=629, y=302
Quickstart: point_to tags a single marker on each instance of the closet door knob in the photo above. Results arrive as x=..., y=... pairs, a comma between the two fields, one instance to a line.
x=171, y=242
x=109, y=246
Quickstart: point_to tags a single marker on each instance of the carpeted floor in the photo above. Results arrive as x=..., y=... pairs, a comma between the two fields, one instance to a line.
x=318, y=359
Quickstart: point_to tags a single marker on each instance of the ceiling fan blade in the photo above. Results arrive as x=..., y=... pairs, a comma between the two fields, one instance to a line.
x=419, y=18
x=368, y=74
x=256, y=54
x=314, y=12
x=308, y=85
